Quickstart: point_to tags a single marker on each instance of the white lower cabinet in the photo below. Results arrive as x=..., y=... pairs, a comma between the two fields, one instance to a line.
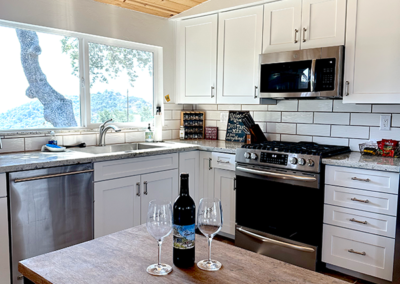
x=4, y=243
x=189, y=163
x=225, y=190
x=206, y=176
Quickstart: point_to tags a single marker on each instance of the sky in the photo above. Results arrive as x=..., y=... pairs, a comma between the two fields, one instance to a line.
x=57, y=68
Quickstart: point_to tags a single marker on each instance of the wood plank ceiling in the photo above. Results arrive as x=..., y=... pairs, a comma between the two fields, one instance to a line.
x=162, y=8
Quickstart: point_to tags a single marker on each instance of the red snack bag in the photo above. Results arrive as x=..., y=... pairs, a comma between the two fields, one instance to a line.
x=387, y=146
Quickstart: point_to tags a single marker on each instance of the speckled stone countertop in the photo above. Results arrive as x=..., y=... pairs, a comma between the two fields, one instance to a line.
x=356, y=160
x=37, y=160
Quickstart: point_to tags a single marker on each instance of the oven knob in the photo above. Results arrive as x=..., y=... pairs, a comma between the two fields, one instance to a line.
x=302, y=162
x=293, y=161
x=311, y=163
x=254, y=156
x=247, y=155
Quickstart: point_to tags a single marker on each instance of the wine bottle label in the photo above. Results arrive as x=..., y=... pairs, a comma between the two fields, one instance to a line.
x=184, y=236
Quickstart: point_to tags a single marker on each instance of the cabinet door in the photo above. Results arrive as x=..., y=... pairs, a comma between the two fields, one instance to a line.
x=323, y=23
x=116, y=205
x=225, y=191
x=158, y=186
x=189, y=163
x=282, y=21
x=239, y=47
x=197, y=55
x=4, y=248
x=206, y=177
x=372, y=65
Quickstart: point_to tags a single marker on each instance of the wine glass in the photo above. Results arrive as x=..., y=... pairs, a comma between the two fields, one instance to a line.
x=209, y=222
x=159, y=225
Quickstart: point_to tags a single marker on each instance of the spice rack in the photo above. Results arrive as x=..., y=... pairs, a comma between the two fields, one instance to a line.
x=194, y=123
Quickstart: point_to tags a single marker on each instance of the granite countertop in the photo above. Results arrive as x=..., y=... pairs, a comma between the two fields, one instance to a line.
x=356, y=160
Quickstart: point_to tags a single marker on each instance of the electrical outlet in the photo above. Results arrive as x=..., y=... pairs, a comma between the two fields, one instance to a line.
x=223, y=117
x=385, y=122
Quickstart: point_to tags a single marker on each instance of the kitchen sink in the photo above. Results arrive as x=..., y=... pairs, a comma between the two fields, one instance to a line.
x=118, y=148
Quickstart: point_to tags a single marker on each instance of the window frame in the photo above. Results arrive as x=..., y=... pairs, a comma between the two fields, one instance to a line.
x=84, y=73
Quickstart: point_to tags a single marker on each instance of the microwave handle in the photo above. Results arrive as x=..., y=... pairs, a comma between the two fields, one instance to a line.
x=313, y=77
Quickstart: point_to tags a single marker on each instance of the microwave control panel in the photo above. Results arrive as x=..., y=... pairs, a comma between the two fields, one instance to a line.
x=325, y=70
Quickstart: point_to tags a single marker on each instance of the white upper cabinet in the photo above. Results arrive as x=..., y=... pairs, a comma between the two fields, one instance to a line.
x=197, y=65
x=323, y=23
x=372, y=52
x=282, y=24
x=239, y=47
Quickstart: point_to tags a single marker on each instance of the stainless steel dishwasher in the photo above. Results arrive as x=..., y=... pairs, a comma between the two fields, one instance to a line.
x=50, y=209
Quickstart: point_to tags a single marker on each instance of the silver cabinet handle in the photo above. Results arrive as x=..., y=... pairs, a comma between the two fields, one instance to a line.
x=272, y=241
x=356, y=252
x=212, y=91
x=347, y=88
x=53, y=175
x=359, y=200
x=209, y=164
x=138, y=188
x=255, y=92
x=304, y=34
x=275, y=175
x=361, y=179
x=223, y=162
x=296, y=31
x=361, y=222
x=145, y=188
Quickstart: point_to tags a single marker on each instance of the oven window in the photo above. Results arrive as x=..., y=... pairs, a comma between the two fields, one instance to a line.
x=289, y=211
x=286, y=77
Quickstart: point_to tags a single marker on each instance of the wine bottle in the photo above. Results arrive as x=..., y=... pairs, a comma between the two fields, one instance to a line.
x=184, y=226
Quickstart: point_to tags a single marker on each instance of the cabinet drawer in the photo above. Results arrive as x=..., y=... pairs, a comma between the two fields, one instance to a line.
x=3, y=185
x=363, y=179
x=361, y=199
x=136, y=166
x=372, y=256
x=360, y=220
x=223, y=161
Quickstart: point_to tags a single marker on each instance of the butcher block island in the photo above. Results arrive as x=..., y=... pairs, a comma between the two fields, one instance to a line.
x=123, y=257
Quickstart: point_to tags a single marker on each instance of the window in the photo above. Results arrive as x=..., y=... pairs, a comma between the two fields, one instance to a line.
x=53, y=79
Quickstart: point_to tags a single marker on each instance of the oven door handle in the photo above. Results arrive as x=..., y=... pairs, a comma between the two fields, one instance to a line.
x=275, y=175
x=279, y=243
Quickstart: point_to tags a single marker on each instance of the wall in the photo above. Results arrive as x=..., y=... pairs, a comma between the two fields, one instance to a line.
x=320, y=121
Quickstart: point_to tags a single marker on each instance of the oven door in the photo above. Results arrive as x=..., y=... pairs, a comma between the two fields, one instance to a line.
x=284, y=205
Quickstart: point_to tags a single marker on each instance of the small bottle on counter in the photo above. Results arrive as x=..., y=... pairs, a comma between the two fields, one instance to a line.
x=149, y=135
x=53, y=138
x=182, y=133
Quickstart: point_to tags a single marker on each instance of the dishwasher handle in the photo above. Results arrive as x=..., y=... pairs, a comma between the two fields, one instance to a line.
x=52, y=176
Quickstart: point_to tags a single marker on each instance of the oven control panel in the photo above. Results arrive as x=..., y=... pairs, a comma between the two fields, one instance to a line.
x=272, y=158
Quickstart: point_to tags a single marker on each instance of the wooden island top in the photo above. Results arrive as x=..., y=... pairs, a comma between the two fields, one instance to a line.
x=124, y=256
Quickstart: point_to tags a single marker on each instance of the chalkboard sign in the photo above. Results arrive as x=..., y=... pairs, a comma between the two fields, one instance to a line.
x=235, y=128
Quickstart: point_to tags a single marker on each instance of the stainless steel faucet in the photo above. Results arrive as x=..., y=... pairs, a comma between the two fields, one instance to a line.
x=103, y=131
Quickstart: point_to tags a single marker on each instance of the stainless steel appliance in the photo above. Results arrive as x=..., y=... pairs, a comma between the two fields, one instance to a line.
x=309, y=73
x=50, y=209
x=280, y=200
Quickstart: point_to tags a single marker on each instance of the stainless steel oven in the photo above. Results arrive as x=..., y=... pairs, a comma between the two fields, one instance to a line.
x=306, y=73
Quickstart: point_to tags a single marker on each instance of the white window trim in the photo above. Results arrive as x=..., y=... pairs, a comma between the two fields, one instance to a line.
x=84, y=73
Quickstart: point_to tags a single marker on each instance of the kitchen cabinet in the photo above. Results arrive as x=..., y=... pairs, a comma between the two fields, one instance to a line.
x=372, y=52
x=225, y=190
x=189, y=163
x=303, y=24
x=206, y=175
x=239, y=47
x=197, y=60
x=4, y=241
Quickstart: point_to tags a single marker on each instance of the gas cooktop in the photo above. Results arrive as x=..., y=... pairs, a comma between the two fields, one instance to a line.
x=304, y=156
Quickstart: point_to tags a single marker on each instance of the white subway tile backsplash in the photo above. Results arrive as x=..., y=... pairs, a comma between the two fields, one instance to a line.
x=13, y=145
x=229, y=107
x=339, y=106
x=167, y=114
x=206, y=107
x=115, y=138
x=90, y=140
x=314, y=129
x=221, y=125
x=315, y=105
x=273, y=137
x=176, y=114
x=284, y=105
x=350, y=131
x=354, y=144
x=367, y=119
x=332, y=118
x=281, y=128
x=188, y=107
x=167, y=134
x=211, y=123
x=299, y=117
x=213, y=115
x=376, y=134
x=263, y=126
x=174, y=134
x=386, y=108
x=331, y=141
x=296, y=138
x=172, y=124
x=134, y=137
x=36, y=143
x=267, y=116
x=170, y=106
x=221, y=135
x=396, y=120
x=255, y=107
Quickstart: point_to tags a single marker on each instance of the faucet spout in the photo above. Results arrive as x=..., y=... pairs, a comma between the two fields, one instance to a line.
x=103, y=131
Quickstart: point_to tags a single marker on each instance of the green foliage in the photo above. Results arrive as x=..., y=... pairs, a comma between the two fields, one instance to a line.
x=107, y=62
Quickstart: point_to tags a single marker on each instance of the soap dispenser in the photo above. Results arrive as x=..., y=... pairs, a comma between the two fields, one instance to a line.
x=149, y=137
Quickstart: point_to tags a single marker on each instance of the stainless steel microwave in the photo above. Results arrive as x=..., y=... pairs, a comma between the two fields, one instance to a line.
x=309, y=73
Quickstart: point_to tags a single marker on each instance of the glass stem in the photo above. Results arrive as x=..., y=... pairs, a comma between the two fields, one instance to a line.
x=209, y=249
x=159, y=252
